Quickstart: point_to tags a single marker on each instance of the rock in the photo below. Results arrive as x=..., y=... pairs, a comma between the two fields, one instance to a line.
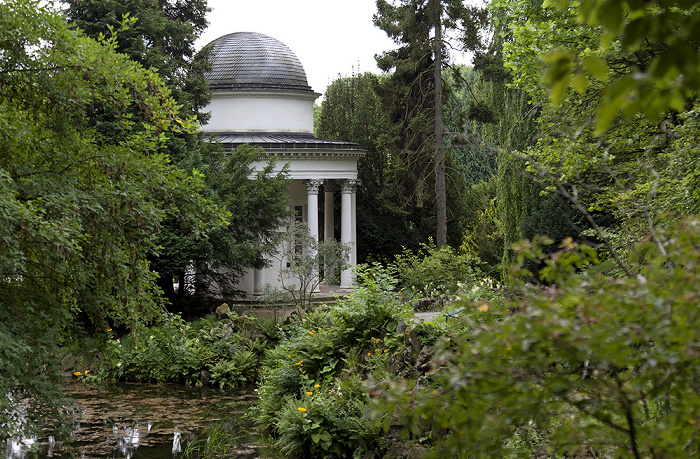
x=424, y=304
x=68, y=363
x=424, y=359
x=410, y=339
x=205, y=377
x=408, y=451
x=223, y=311
x=400, y=326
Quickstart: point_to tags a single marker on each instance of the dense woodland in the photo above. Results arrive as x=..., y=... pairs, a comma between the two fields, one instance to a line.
x=546, y=197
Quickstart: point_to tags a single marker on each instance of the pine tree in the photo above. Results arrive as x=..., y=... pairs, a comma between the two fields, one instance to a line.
x=415, y=89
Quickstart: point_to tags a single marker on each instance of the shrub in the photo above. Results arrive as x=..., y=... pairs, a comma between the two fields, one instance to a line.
x=596, y=367
x=428, y=332
x=372, y=310
x=431, y=271
x=237, y=371
x=311, y=396
x=321, y=425
x=176, y=352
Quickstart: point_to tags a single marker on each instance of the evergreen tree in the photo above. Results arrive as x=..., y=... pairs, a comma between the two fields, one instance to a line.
x=414, y=91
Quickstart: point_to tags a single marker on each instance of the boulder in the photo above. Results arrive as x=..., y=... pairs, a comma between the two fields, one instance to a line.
x=424, y=359
x=223, y=311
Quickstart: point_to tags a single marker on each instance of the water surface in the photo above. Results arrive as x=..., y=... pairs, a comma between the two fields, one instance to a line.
x=120, y=420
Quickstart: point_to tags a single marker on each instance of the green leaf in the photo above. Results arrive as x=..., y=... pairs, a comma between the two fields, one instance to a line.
x=597, y=67
x=558, y=72
x=579, y=83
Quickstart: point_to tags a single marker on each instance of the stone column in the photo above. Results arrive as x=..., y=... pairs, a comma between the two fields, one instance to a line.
x=353, y=249
x=258, y=281
x=346, y=228
x=328, y=225
x=312, y=187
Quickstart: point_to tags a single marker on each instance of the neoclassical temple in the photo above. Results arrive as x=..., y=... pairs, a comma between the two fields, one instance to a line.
x=260, y=96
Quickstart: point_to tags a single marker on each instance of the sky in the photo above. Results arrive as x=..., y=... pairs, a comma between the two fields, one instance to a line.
x=331, y=38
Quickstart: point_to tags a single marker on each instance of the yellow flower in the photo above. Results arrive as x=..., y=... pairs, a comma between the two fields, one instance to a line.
x=109, y=329
x=312, y=332
x=484, y=308
x=87, y=371
x=369, y=353
x=317, y=386
x=301, y=409
x=77, y=373
x=309, y=393
x=300, y=362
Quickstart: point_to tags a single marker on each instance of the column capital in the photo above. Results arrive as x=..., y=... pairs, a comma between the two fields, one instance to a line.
x=312, y=186
x=348, y=186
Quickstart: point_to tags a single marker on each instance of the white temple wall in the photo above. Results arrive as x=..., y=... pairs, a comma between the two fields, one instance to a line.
x=251, y=111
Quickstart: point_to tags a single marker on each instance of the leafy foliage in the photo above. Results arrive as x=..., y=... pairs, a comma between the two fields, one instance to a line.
x=235, y=372
x=311, y=396
x=178, y=352
x=598, y=366
x=161, y=36
x=79, y=210
x=666, y=31
x=433, y=271
x=619, y=170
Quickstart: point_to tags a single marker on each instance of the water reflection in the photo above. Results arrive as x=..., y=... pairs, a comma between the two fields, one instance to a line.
x=137, y=420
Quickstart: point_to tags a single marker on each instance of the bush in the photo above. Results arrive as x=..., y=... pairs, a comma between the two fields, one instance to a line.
x=311, y=396
x=596, y=367
x=322, y=425
x=372, y=310
x=177, y=352
x=431, y=271
x=237, y=371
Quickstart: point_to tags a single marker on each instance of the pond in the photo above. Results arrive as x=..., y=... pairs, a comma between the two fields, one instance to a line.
x=120, y=420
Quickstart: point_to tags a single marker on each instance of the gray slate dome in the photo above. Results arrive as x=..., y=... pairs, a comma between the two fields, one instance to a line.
x=249, y=60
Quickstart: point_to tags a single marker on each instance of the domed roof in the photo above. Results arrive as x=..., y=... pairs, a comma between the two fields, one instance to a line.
x=249, y=60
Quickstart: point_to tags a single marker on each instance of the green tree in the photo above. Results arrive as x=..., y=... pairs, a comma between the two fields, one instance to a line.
x=632, y=168
x=353, y=111
x=162, y=38
x=258, y=206
x=79, y=210
x=415, y=90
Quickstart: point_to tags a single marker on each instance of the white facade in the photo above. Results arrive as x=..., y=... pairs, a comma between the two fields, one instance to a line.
x=261, y=111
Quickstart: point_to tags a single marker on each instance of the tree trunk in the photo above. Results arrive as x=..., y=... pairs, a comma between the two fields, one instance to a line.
x=440, y=192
